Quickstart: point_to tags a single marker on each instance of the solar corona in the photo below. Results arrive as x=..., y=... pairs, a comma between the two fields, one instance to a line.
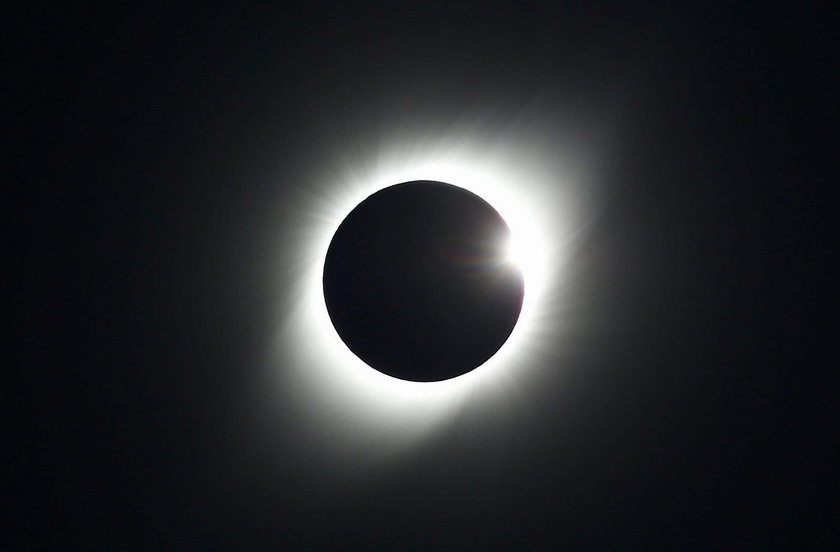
x=422, y=272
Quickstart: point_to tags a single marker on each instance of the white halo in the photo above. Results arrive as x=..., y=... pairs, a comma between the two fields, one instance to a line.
x=340, y=404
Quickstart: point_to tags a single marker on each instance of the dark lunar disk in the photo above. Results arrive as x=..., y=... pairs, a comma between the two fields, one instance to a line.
x=415, y=282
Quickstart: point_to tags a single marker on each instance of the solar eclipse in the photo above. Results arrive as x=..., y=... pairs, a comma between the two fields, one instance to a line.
x=337, y=400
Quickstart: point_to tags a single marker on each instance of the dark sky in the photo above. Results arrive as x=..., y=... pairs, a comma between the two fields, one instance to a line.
x=155, y=153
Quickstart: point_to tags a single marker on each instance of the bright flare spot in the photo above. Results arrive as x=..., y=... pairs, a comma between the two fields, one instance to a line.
x=512, y=252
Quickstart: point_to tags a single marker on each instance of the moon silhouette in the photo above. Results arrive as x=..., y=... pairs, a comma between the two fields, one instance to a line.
x=417, y=284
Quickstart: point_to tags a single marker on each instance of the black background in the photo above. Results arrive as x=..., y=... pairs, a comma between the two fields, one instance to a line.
x=144, y=144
